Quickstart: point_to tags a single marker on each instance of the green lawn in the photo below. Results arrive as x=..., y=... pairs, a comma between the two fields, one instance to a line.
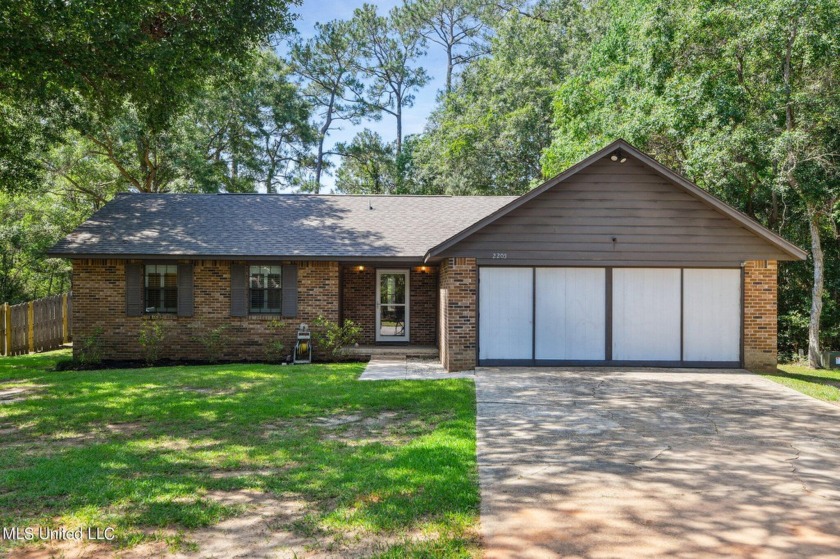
x=818, y=383
x=144, y=450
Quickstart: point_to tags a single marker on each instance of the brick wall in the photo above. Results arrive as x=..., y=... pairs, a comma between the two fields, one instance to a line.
x=99, y=301
x=760, y=310
x=423, y=319
x=359, y=300
x=457, y=301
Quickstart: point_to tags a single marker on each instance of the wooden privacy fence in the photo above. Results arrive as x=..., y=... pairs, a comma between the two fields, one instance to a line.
x=38, y=325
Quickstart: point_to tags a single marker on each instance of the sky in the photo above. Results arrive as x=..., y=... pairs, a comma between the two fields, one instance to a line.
x=414, y=118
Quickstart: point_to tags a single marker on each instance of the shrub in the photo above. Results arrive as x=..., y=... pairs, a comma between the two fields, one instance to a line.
x=66, y=365
x=275, y=349
x=332, y=338
x=152, y=335
x=211, y=340
x=89, y=352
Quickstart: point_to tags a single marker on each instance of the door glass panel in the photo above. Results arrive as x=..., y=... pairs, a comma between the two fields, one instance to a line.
x=392, y=320
x=392, y=289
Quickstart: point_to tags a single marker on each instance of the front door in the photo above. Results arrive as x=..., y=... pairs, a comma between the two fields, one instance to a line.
x=392, y=311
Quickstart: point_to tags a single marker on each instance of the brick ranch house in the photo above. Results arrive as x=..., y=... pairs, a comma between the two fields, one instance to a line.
x=616, y=261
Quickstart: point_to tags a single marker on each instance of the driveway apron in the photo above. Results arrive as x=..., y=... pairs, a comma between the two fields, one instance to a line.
x=655, y=463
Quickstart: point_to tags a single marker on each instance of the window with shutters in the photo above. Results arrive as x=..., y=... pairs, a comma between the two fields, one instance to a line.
x=161, y=293
x=265, y=289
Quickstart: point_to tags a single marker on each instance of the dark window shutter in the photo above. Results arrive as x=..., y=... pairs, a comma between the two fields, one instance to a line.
x=290, y=290
x=185, y=290
x=238, y=290
x=134, y=289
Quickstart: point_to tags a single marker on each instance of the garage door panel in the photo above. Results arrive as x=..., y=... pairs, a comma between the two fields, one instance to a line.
x=506, y=313
x=570, y=313
x=712, y=315
x=646, y=314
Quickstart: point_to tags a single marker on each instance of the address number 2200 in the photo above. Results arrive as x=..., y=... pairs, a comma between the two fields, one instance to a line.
x=499, y=255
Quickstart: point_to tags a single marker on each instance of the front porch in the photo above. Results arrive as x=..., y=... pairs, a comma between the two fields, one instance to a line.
x=393, y=304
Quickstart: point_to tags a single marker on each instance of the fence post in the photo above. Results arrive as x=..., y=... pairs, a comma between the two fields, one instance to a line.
x=7, y=317
x=31, y=325
x=65, y=330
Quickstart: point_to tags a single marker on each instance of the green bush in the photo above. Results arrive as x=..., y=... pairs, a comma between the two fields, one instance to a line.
x=331, y=339
x=275, y=349
x=89, y=353
x=212, y=340
x=152, y=335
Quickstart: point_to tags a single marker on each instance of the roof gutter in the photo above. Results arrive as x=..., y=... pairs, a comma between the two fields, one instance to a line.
x=296, y=257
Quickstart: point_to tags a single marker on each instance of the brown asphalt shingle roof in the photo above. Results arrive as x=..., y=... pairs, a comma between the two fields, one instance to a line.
x=293, y=225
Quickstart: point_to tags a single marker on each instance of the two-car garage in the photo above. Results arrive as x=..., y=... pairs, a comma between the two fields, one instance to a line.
x=621, y=316
x=616, y=261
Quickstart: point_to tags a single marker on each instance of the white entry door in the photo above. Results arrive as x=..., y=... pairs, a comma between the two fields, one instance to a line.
x=712, y=315
x=646, y=314
x=570, y=314
x=392, y=305
x=506, y=303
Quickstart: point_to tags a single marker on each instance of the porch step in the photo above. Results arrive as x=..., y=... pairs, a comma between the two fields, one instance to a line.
x=395, y=352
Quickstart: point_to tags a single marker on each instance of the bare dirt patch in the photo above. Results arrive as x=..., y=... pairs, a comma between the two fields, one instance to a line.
x=387, y=427
x=179, y=444
x=89, y=550
x=14, y=394
x=209, y=391
x=7, y=429
x=17, y=437
x=228, y=474
x=270, y=526
x=127, y=428
x=273, y=526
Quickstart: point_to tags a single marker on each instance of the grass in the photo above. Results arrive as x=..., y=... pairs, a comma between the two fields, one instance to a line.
x=817, y=383
x=140, y=449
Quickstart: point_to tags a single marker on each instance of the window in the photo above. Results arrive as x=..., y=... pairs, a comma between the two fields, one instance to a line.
x=266, y=293
x=161, y=288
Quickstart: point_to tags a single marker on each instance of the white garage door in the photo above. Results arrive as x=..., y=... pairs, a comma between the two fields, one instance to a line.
x=646, y=314
x=506, y=307
x=658, y=314
x=711, y=315
x=570, y=314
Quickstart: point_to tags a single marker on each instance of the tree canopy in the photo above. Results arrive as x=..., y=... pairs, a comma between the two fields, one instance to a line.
x=741, y=97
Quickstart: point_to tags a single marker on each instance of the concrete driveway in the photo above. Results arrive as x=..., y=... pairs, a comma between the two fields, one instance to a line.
x=655, y=463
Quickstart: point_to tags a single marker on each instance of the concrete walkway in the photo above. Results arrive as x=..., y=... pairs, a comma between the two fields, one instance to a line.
x=407, y=368
x=655, y=463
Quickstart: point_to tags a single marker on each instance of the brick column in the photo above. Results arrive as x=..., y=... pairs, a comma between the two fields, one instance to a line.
x=760, y=310
x=458, y=280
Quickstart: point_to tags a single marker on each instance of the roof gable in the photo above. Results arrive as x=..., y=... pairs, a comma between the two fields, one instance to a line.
x=608, y=202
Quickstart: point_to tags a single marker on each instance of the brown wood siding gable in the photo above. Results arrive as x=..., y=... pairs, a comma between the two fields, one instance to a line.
x=613, y=213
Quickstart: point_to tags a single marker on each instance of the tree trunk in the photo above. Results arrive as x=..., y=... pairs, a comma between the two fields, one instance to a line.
x=448, y=69
x=399, y=126
x=816, y=291
x=319, y=163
